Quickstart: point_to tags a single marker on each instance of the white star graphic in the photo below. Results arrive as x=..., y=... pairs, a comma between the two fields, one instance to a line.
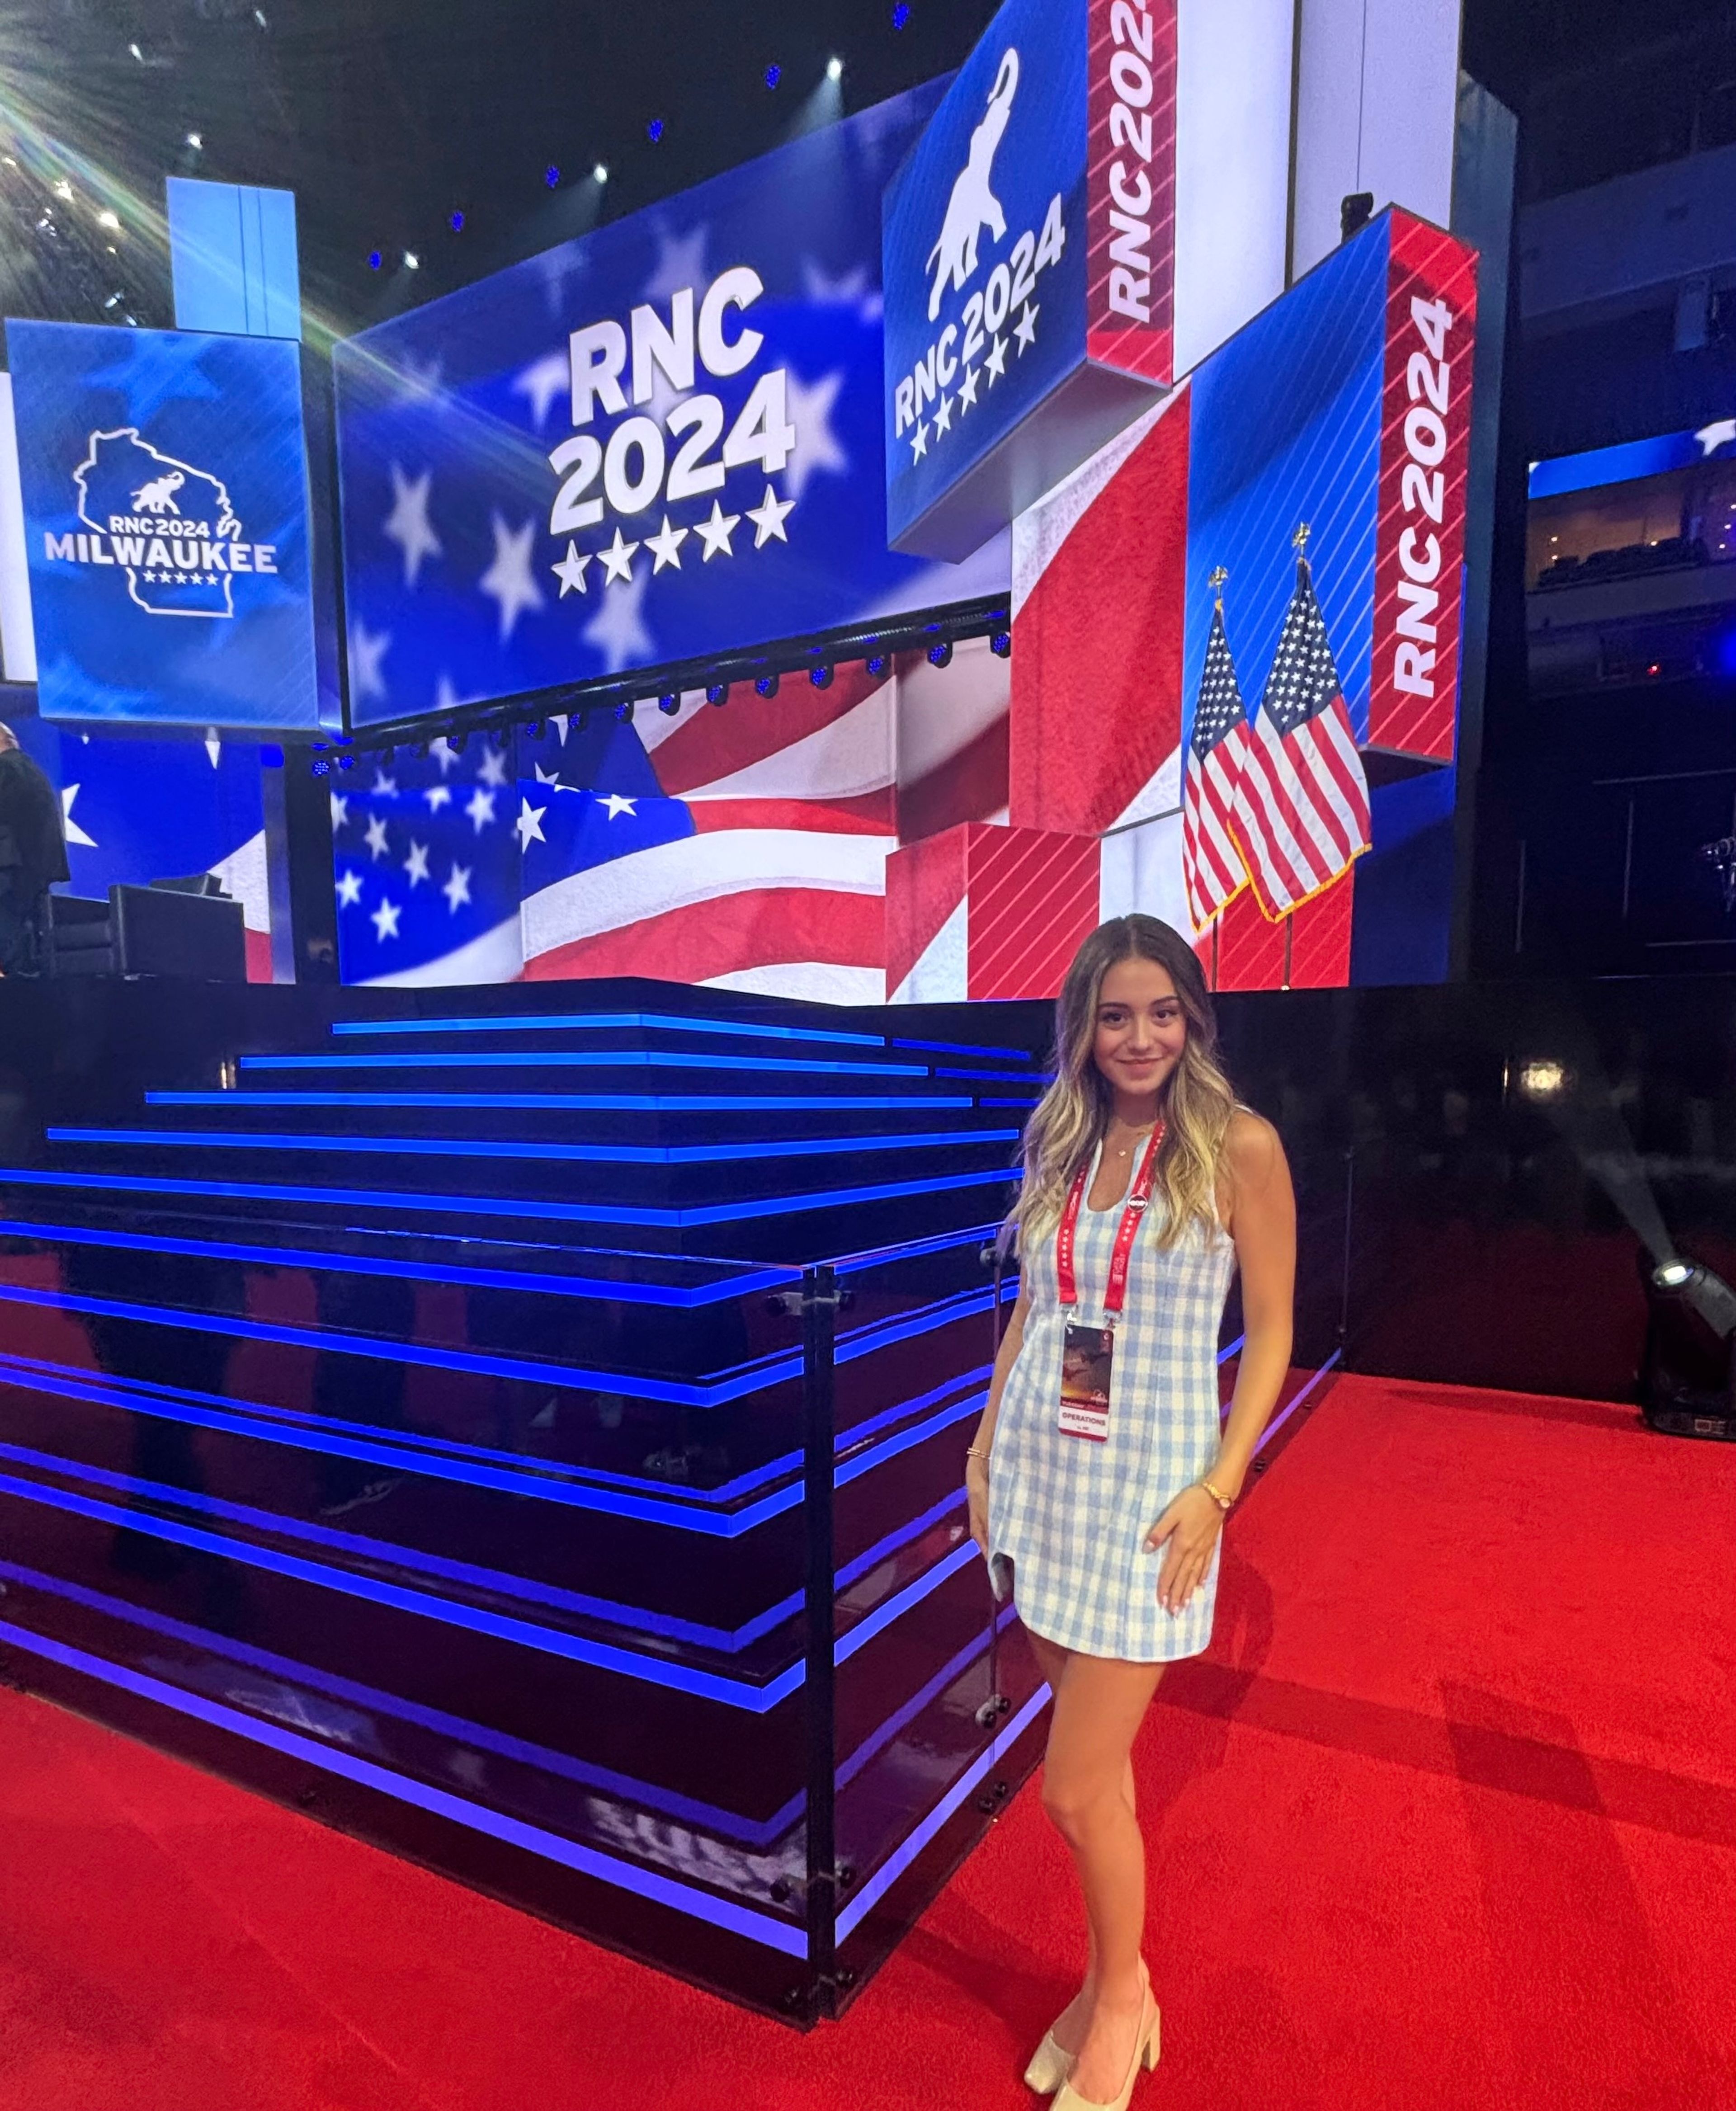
x=508, y=579
x=530, y=824
x=543, y=776
x=943, y=415
x=558, y=721
x=768, y=518
x=384, y=921
x=386, y=787
x=443, y=752
x=617, y=560
x=418, y=383
x=681, y=262
x=366, y=651
x=340, y=811
x=715, y=533
x=618, y=628
x=816, y=444
x=213, y=745
x=570, y=571
x=69, y=827
x=616, y=806
x=919, y=442
x=493, y=769
x=349, y=889
x=666, y=546
x=967, y=390
x=457, y=889
x=377, y=843
x=438, y=796
x=480, y=811
x=853, y=290
x=1026, y=331
x=408, y=525
x=416, y=865
x=996, y=361
x=447, y=698
x=550, y=376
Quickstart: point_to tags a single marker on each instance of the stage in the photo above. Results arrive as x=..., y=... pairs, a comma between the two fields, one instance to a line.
x=1446, y=1817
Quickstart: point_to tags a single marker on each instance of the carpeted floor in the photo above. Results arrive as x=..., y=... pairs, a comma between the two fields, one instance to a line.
x=1448, y=1819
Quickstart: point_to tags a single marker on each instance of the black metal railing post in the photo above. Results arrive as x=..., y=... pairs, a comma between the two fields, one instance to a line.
x=818, y=1329
x=1350, y=1200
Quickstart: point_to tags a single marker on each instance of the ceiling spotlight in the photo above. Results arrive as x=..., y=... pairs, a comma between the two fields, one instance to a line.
x=1000, y=645
x=600, y=173
x=834, y=68
x=111, y=220
x=767, y=686
x=876, y=666
x=717, y=692
x=412, y=262
x=1544, y=1080
x=259, y=16
x=900, y=15
x=346, y=762
x=136, y=53
x=375, y=260
x=551, y=177
x=774, y=74
x=624, y=712
x=457, y=222
x=669, y=703
x=535, y=728
x=654, y=130
x=820, y=676
x=112, y=301
x=63, y=189
x=318, y=767
x=940, y=654
x=196, y=140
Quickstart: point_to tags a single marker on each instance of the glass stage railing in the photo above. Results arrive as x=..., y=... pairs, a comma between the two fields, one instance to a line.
x=631, y=1586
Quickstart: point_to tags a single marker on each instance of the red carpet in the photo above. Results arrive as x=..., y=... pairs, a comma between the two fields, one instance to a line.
x=1448, y=1819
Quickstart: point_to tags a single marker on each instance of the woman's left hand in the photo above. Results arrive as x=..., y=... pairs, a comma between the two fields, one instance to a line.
x=1188, y=1533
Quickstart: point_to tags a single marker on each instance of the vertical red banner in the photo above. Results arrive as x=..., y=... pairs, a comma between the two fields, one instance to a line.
x=1130, y=186
x=1424, y=464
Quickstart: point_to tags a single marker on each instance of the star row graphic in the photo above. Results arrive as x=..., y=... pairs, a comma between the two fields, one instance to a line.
x=715, y=534
x=182, y=579
x=1025, y=335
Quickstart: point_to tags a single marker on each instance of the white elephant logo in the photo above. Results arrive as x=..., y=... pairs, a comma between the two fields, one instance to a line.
x=158, y=495
x=972, y=205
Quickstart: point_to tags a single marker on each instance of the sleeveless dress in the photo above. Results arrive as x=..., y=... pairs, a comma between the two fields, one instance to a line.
x=1070, y=1515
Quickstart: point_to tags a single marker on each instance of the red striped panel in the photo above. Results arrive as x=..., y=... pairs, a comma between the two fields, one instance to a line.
x=1096, y=647
x=711, y=744
x=1426, y=265
x=924, y=883
x=1320, y=937
x=1034, y=900
x=1113, y=339
x=869, y=814
x=759, y=928
x=1249, y=947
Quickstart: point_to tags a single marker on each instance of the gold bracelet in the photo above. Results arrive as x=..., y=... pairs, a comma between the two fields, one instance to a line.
x=976, y=1451
x=1223, y=1501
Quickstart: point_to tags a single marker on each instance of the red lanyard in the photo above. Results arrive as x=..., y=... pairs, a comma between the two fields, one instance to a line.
x=1116, y=1296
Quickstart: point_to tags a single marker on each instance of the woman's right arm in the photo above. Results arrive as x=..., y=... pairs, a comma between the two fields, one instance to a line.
x=976, y=1462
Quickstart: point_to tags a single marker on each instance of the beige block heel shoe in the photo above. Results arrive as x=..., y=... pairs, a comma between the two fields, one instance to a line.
x=1146, y=2052
x=1051, y=2065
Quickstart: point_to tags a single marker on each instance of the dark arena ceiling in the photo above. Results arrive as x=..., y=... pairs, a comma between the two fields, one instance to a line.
x=387, y=118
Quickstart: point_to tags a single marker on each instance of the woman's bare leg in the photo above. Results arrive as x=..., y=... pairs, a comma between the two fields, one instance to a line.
x=1099, y=1705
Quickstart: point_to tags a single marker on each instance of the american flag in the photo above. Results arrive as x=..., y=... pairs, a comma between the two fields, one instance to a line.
x=1301, y=813
x=1212, y=868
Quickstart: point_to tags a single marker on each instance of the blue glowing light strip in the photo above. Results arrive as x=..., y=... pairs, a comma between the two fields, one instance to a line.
x=864, y=1901
x=965, y=1048
x=585, y=1059
x=552, y=1284
x=878, y=1256
x=488, y=1205
x=550, y=1846
x=586, y=1022
x=666, y=1103
x=993, y=1076
x=581, y=1154
x=1278, y=1422
x=669, y=1391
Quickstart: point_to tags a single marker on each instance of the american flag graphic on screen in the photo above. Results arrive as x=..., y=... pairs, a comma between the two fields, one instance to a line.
x=1212, y=868
x=1302, y=812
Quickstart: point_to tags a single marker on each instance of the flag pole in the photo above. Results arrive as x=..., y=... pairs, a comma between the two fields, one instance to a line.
x=1299, y=543
x=1215, y=582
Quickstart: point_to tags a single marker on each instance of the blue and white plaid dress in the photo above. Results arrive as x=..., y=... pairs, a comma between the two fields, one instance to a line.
x=1071, y=1515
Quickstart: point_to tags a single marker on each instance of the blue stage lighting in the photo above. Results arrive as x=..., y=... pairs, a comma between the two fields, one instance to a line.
x=820, y=676
x=669, y=703
x=900, y=15
x=877, y=665
x=1000, y=645
x=346, y=762
x=767, y=685
x=717, y=692
x=457, y=222
x=320, y=767
x=375, y=260
x=624, y=712
x=552, y=176
x=940, y=654
x=654, y=130
x=774, y=74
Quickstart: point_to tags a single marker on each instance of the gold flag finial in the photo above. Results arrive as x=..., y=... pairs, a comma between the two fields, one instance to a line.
x=1215, y=582
x=1300, y=539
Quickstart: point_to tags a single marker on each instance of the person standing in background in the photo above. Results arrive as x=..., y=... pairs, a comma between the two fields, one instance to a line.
x=33, y=856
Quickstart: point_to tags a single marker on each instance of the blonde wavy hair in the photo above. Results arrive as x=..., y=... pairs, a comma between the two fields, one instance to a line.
x=1069, y=1122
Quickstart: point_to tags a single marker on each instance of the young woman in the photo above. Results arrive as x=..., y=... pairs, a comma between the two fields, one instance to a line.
x=1099, y=1477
